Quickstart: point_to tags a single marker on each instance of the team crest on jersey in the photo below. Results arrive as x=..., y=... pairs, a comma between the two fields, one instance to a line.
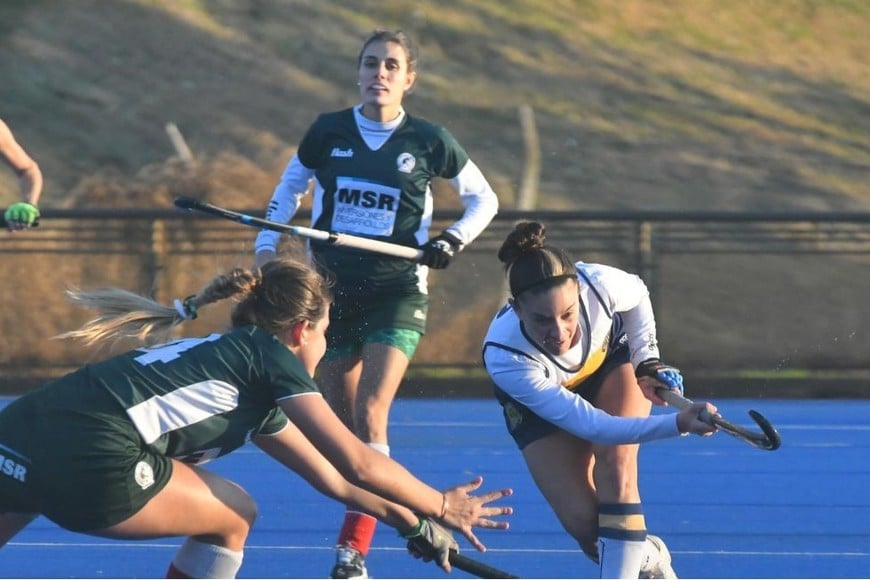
x=406, y=162
x=513, y=415
x=144, y=475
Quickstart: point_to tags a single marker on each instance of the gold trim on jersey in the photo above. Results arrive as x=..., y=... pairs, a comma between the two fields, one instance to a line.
x=592, y=363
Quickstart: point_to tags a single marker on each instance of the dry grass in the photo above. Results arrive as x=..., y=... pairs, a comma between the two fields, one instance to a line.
x=622, y=91
x=640, y=104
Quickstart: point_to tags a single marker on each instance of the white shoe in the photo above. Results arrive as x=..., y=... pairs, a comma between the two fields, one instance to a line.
x=349, y=564
x=663, y=569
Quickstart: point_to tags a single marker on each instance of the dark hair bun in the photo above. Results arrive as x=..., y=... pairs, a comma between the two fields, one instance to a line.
x=526, y=237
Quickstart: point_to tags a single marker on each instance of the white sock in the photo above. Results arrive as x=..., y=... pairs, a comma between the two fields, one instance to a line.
x=201, y=560
x=620, y=558
x=651, y=556
x=382, y=448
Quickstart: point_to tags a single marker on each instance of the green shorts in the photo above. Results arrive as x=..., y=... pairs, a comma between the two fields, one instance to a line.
x=83, y=464
x=395, y=321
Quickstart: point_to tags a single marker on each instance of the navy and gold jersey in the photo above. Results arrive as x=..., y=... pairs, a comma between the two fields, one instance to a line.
x=614, y=311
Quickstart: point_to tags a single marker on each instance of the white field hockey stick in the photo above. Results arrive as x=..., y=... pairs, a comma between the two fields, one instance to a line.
x=340, y=240
x=768, y=439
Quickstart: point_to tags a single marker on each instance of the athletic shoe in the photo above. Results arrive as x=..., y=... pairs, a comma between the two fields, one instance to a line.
x=349, y=564
x=663, y=569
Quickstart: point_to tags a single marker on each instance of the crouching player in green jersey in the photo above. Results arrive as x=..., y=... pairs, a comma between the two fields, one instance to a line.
x=113, y=449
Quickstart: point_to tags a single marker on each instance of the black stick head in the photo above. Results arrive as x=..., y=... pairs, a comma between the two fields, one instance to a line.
x=185, y=202
x=773, y=439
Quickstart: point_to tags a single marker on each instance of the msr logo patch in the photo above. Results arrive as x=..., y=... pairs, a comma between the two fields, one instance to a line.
x=13, y=469
x=13, y=466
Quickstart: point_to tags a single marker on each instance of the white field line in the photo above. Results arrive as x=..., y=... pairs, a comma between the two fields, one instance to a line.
x=140, y=545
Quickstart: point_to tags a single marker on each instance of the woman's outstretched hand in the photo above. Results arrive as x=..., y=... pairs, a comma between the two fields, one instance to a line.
x=463, y=511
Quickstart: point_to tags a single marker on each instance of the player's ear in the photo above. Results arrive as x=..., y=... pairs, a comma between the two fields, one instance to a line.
x=295, y=335
x=410, y=80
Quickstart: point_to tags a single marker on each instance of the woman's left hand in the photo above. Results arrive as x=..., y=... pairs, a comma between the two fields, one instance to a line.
x=462, y=511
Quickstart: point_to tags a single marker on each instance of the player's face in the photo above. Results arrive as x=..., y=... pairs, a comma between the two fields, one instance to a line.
x=313, y=345
x=551, y=317
x=383, y=79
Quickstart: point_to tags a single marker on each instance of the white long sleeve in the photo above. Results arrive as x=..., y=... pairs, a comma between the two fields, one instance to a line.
x=525, y=380
x=286, y=199
x=479, y=200
x=627, y=294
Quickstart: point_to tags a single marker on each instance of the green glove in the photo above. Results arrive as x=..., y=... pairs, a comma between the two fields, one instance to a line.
x=430, y=540
x=21, y=212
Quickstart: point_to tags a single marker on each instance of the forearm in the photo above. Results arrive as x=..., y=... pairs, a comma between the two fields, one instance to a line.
x=25, y=167
x=480, y=201
x=640, y=328
x=285, y=201
x=387, y=478
x=30, y=184
x=319, y=447
x=397, y=516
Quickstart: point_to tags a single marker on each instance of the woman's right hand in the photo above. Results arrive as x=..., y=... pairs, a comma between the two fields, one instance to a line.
x=462, y=511
x=696, y=419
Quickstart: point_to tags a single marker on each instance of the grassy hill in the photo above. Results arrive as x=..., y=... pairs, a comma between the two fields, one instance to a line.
x=696, y=104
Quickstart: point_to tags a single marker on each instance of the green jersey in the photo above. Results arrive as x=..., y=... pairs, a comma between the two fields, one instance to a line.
x=199, y=398
x=374, y=180
x=90, y=449
x=382, y=194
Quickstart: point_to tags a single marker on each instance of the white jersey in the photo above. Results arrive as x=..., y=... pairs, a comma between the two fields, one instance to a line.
x=614, y=308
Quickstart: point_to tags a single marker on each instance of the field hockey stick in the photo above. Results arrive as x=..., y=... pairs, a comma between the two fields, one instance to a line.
x=339, y=240
x=467, y=564
x=768, y=439
x=476, y=568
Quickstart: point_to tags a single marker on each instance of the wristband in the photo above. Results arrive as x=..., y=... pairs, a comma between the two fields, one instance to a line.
x=414, y=532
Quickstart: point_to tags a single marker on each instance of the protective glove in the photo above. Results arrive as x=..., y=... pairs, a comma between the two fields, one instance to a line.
x=429, y=540
x=21, y=213
x=668, y=375
x=438, y=251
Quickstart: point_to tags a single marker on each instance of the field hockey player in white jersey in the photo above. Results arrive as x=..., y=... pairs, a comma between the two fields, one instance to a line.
x=372, y=168
x=575, y=364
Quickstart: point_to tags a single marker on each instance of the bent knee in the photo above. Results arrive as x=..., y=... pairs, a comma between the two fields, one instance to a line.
x=616, y=469
x=248, y=510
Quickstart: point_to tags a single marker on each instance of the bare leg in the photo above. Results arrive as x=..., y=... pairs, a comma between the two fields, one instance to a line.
x=382, y=372
x=369, y=386
x=194, y=503
x=622, y=529
x=561, y=466
x=616, y=465
x=339, y=380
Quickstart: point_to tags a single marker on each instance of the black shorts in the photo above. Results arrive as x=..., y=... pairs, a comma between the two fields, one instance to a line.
x=82, y=463
x=525, y=426
x=353, y=320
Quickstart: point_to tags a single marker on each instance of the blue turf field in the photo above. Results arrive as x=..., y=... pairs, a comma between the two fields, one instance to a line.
x=725, y=509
